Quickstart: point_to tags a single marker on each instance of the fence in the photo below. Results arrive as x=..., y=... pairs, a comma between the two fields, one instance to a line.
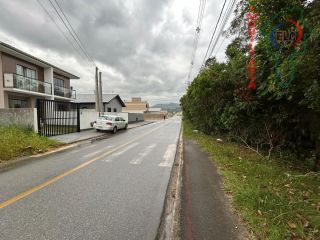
x=57, y=117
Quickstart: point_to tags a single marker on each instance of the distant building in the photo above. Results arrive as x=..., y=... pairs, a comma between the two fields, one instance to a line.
x=155, y=114
x=154, y=109
x=111, y=102
x=136, y=105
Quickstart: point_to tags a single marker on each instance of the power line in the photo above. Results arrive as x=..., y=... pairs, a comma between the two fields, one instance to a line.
x=62, y=32
x=69, y=30
x=75, y=33
x=223, y=24
x=202, y=5
x=215, y=29
x=220, y=45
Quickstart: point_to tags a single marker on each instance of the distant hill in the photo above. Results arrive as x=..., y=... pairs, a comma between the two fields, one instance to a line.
x=170, y=107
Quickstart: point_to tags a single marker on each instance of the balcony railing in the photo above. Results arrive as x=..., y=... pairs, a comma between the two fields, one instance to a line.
x=12, y=80
x=64, y=92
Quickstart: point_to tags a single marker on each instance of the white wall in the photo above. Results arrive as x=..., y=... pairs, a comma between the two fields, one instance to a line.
x=86, y=117
x=89, y=115
x=2, y=96
x=19, y=116
x=131, y=117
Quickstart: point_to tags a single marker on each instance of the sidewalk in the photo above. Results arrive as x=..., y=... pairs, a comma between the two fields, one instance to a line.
x=91, y=134
x=205, y=212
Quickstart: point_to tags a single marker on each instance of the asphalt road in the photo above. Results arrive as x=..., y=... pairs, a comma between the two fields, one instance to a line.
x=110, y=189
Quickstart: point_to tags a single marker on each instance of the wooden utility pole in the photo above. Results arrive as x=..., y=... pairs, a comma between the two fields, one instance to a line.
x=100, y=93
x=97, y=91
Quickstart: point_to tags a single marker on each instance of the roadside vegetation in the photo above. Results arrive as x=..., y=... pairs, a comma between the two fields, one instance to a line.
x=17, y=141
x=270, y=153
x=281, y=117
x=277, y=199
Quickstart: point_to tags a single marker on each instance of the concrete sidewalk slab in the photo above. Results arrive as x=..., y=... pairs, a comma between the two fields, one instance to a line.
x=91, y=134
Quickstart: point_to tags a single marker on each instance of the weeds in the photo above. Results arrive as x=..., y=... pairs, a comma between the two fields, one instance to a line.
x=17, y=141
x=277, y=201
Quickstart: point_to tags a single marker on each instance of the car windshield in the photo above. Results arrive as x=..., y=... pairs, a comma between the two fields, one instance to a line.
x=106, y=118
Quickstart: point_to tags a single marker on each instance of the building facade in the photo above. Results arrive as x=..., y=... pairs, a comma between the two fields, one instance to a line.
x=111, y=102
x=136, y=105
x=25, y=78
x=155, y=114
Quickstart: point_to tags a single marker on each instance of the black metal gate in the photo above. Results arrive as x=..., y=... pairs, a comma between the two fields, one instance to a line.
x=57, y=117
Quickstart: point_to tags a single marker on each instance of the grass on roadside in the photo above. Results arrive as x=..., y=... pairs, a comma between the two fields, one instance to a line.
x=16, y=141
x=276, y=201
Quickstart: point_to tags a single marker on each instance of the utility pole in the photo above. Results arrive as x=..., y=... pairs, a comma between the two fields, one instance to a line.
x=100, y=93
x=97, y=91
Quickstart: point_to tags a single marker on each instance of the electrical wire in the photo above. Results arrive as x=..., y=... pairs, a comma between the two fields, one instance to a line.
x=223, y=24
x=84, y=56
x=72, y=35
x=62, y=32
x=201, y=10
x=214, y=32
x=220, y=46
x=75, y=33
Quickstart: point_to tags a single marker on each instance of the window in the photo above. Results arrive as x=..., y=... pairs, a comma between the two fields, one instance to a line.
x=26, y=72
x=30, y=81
x=106, y=118
x=58, y=87
x=109, y=109
x=29, y=73
x=19, y=70
x=115, y=110
x=17, y=103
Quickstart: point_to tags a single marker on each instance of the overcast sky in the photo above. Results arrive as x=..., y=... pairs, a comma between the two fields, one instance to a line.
x=142, y=47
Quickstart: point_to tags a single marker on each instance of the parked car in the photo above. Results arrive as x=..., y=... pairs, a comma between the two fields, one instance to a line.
x=110, y=123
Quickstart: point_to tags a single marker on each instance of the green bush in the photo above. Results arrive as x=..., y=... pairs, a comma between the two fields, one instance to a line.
x=270, y=119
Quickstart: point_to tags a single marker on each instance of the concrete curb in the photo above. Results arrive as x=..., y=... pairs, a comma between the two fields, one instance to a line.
x=6, y=165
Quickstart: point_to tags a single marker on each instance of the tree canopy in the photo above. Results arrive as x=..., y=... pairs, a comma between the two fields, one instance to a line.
x=283, y=113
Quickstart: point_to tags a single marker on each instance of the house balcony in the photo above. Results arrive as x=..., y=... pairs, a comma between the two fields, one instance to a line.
x=19, y=83
x=64, y=92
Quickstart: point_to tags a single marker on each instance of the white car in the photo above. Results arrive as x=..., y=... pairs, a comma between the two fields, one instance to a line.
x=110, y=123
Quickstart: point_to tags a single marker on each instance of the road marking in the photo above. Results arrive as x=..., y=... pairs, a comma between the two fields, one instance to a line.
x=142, y=155
x=91, y=146
x=168, y=157
x=91, y=154
x=57, y=178
x=111, y=157
x=75, y=151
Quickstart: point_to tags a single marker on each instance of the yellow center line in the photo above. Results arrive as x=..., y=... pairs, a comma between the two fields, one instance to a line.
x=57, y=178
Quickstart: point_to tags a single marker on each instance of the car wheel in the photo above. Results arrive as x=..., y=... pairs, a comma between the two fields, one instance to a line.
x=126, y=127
x=114, y=130
x=98, y=130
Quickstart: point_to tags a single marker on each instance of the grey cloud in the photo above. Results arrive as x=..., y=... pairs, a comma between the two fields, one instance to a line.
x=118, y=34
